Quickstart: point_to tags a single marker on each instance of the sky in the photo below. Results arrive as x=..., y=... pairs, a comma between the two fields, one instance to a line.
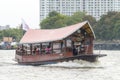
x=12, y=12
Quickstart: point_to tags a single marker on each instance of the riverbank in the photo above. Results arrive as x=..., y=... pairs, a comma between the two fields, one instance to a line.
x=107, y=45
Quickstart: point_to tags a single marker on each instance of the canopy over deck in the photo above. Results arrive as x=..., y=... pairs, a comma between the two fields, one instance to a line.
x=48, y=35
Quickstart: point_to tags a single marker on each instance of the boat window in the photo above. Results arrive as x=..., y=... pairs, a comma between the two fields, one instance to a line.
x=69, y=43
x=57, y=47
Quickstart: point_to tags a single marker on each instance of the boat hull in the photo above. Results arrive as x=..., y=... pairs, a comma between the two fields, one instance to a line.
x=35, y=60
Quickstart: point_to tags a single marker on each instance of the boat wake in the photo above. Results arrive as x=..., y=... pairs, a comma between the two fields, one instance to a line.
x=8, y=63
x=75, y=65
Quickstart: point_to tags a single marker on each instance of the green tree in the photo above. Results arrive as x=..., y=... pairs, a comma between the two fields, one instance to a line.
x=116, y=30
x=107, y=28
x=13, y=32
x=54, y=20
x=57, y=20
x=76, y=18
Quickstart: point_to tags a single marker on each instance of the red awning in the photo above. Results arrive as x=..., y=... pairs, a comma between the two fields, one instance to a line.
x=48, y=35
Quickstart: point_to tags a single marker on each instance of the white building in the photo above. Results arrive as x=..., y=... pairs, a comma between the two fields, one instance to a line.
x=96, y=8
x=4, y=27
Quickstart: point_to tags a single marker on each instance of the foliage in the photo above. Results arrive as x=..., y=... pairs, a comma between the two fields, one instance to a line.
x=107, y=28
x=76, y=18
x=57, y=20
x=54, y=20
x=16, y=34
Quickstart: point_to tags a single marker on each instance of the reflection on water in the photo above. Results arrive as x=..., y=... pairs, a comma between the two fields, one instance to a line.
x=106, y=68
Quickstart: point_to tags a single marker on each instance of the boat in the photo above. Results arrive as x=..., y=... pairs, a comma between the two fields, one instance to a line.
x=46, y=46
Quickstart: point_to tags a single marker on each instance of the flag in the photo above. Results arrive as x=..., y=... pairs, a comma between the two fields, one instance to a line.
x=24, y=25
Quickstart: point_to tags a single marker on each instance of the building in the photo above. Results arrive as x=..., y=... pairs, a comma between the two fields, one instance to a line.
x=4, y=27
x=96, y=8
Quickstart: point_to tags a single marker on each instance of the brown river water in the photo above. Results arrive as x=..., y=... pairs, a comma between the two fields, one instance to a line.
x=106, y=68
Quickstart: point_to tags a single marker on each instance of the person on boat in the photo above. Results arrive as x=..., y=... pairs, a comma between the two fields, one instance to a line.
x=37, y=50
x=25, y=48
x=34, y=50
x=18, y=50
x=75, y=51
x=47, y=50
x=22, y=50
x=82, y=47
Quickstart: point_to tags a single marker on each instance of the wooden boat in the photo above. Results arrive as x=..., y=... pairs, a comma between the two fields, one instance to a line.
x=56, y=45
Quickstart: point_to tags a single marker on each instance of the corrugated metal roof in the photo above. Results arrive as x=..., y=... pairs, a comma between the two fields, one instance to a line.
x=48, y=35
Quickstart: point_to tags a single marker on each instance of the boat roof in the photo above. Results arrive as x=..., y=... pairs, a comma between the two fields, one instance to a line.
x=49, y=35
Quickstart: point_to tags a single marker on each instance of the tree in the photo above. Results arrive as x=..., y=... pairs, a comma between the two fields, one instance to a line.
x=13, y=32
x=107, y=28
x=53, y=13
x=57, y=20
x=54, y=20
x=76, y=17
x=116, y=30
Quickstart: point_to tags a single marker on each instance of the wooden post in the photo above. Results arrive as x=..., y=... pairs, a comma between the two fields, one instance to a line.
x=65, y=45
x=61, y=46
x=41, y=48
x=30, y=48
x=51, y=47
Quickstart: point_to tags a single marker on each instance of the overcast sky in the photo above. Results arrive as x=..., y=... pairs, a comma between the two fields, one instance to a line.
x=13, y=11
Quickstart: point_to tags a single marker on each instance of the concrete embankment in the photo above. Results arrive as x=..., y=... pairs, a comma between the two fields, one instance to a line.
x=107, y=46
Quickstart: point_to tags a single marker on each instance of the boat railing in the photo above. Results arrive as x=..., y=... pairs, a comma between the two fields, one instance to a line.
x=42, y=51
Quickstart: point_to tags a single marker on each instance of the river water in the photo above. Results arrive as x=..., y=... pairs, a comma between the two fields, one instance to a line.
x=106, y=68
